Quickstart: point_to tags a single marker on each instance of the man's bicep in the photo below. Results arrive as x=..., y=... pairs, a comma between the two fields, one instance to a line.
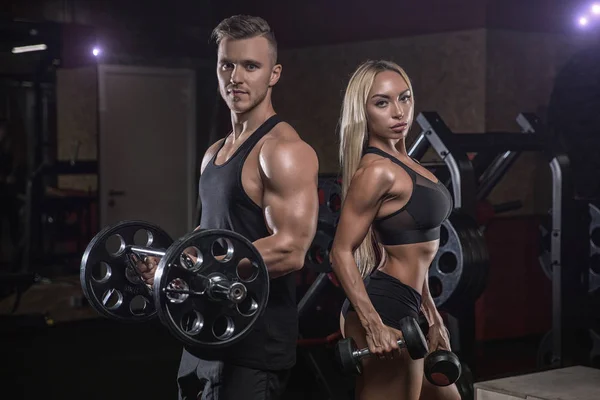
x=291, y=200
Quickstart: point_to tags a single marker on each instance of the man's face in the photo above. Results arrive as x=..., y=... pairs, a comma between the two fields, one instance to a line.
x=246, y=71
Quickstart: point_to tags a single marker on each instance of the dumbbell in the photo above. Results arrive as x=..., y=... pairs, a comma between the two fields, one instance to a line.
x=349, y=357
x=442, y=368
x=209, y=300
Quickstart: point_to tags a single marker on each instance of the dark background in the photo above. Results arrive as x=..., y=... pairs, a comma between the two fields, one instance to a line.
x=477, y=63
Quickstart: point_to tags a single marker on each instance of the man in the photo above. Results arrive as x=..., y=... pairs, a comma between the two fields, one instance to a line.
x=259, y=181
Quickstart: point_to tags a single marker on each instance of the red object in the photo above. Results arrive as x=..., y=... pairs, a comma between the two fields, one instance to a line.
x=333, y=279
x=484, y=212
x=329, y=339
x=321, y=197
x=517, y=300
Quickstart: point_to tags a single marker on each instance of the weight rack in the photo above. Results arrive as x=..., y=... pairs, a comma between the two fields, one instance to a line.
x=470, y=181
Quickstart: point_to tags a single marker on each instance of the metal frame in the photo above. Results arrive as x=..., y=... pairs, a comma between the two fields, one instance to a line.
x=570, y=217
x=569, y=252
x=438, y=136
x=443, y=141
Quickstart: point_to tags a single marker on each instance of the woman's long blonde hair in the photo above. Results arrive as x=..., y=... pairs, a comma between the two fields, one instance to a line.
x=354, y=137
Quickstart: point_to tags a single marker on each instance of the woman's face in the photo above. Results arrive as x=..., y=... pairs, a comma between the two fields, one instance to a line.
x=390, y=106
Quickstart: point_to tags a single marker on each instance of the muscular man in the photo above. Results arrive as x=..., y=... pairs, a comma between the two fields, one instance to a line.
x=259, y=181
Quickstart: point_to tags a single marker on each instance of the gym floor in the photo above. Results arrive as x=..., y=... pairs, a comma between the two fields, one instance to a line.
x=100, y=359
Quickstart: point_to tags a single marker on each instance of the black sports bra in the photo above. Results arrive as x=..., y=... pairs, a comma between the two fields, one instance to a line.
x=429, y=205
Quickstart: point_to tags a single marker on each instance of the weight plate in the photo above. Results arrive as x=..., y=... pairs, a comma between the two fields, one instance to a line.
x=545, y=258
x=480, y=262
x=108, y=279
x=459, y=268
x=415, y=341
x=442, y=368
x=317, y=257
x=588, y=338
x=446, y=270
x=464, y=384
x=594, y=276
x=195, y=317
x=470, y=256
x=345, y=360
x=330, y=200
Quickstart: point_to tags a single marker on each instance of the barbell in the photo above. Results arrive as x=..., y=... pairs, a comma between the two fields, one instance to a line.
x=209, y=289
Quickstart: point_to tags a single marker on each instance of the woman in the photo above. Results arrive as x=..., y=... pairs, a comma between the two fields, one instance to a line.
x=395, y=207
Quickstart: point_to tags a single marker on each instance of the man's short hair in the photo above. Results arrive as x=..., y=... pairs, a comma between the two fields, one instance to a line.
x=245, y=27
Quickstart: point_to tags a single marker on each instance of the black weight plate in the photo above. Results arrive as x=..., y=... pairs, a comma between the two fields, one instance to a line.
x=481, y=262
x=200, y=320
x=317, y=257
x=442, y=368
x=594, y=276
x=463, y=227
x=343, y=355
x=545, y=258
x=415, y=341
x=109, y=283
x=330, y=200
x=447, y=271
x=464, y=384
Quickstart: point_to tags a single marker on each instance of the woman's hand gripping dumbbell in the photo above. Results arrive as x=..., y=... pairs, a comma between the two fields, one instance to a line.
x=349, y=356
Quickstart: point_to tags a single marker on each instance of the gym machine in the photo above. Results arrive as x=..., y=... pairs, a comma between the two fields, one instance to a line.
x=570, y=217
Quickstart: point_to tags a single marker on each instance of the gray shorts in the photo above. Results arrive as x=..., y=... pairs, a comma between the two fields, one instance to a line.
x=199, y=379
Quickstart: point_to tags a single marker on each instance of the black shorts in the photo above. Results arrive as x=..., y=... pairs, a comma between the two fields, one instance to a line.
x=392, y=299
x=216, y=380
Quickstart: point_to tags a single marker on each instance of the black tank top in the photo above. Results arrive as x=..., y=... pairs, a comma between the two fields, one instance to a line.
x=225, y=205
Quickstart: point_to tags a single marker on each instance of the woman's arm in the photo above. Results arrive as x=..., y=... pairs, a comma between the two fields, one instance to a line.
x=438, y=335
x=365, y=195
x=367, y=191
x=428, y=307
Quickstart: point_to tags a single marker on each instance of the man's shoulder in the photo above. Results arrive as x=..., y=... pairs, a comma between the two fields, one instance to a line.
x=283, y=148
x=286, y=142
x=283, y=131
x=284, y=137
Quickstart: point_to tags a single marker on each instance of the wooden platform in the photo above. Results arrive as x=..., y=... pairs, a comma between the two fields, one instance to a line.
x=572, y=383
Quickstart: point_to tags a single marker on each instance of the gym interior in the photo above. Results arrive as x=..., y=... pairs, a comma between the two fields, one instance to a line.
x=107, y=107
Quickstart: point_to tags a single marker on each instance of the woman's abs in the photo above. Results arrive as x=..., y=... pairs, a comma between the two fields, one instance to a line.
x=410, y=263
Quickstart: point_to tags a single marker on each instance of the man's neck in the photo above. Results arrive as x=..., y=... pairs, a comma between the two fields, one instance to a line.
x=250, y=121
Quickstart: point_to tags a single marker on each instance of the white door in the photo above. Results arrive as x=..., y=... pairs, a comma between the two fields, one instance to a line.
x=147, y=146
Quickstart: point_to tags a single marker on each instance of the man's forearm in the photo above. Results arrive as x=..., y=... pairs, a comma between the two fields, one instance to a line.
x=281, y=256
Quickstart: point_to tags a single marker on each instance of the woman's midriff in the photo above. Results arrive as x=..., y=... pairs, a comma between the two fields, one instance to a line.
x=409, y=263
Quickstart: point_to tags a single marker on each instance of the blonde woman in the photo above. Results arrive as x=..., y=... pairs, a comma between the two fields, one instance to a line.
x=395, y=207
